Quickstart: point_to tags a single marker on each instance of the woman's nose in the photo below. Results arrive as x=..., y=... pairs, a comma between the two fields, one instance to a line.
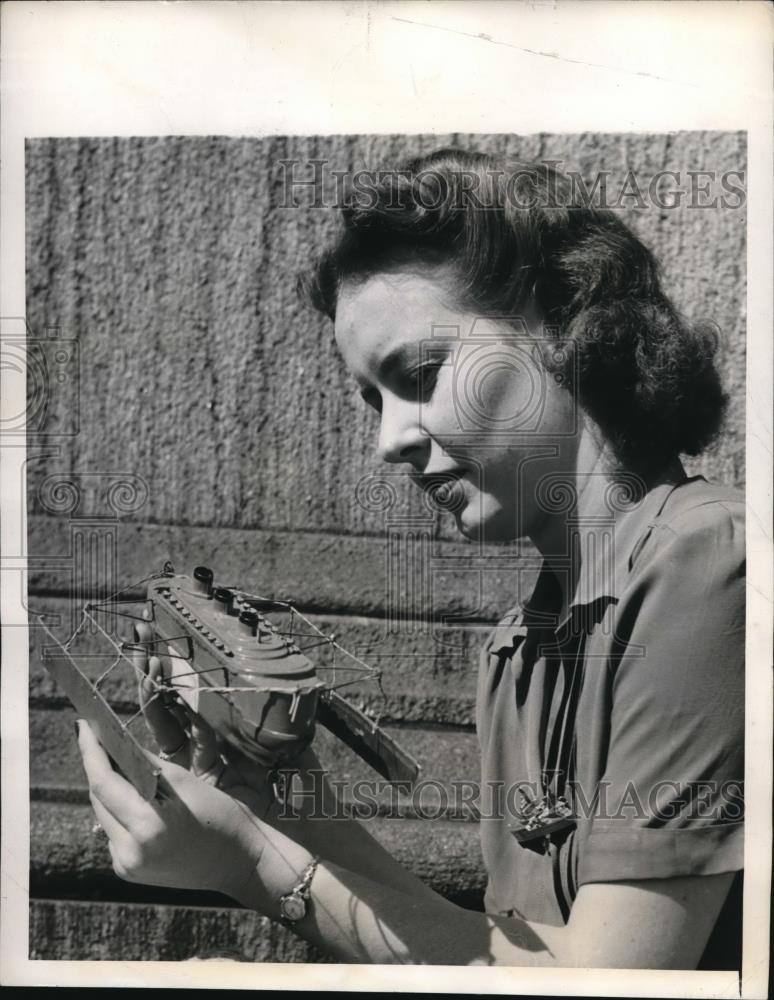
x=401, y=437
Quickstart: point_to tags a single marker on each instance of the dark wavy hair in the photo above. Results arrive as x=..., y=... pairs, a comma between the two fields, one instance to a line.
x=513, y=234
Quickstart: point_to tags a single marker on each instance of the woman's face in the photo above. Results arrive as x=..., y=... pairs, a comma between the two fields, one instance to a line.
x=464, y=401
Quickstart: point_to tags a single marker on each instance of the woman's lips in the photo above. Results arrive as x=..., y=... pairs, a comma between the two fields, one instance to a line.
x=432, y=480
x=445, y=489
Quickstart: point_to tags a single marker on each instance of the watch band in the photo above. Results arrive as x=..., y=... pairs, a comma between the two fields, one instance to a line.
x=293, y=905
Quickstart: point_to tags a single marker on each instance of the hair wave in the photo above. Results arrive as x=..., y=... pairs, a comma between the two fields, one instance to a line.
x=515, y=233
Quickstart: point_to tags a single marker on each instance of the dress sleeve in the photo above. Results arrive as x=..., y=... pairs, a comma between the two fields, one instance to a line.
x=670, y=801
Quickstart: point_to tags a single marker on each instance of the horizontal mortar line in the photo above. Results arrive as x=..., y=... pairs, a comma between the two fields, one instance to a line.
x=355, y=617
x=433, y=725
x=74, y=891
x=55, y=703
x=519, y=549
x=79, y=796
x=264, y=529
x=76, y=895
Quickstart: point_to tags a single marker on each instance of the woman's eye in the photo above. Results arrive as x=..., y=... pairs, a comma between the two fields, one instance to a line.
x=422, y=379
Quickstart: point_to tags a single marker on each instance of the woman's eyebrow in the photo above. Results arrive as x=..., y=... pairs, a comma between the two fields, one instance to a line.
x=396, y=358
x=408, y=355
x=399, y=357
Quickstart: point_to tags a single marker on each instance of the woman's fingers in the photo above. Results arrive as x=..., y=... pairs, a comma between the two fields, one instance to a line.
x=204, y=748
x=121, y=844
x=164, y=726
x=209, y=763
x=108, y=822
x=119, y=797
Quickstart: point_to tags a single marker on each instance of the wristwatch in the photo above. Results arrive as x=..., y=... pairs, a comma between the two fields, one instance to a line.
x=294, y=904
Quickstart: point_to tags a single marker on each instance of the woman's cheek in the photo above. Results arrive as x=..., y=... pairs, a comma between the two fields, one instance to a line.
x=493, y=395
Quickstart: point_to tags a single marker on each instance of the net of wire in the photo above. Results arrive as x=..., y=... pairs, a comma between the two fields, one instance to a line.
x=337, y=666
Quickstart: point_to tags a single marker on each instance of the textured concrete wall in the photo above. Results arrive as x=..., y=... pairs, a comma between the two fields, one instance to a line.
x=172, y=262
x=217, y=396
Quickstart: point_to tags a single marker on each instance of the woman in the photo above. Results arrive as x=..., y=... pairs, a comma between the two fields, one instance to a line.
x=537, y=382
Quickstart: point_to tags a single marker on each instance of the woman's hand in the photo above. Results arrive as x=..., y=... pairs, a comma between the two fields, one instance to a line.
x=205, y=829
x=193, y=836
x=184, y=738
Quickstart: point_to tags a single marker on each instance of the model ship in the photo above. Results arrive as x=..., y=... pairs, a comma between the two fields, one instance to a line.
x=231, y=664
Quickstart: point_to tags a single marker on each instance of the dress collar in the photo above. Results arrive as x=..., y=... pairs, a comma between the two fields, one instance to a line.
x=603, y=545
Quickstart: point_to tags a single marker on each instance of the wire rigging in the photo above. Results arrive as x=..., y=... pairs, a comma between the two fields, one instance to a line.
x=319, y=640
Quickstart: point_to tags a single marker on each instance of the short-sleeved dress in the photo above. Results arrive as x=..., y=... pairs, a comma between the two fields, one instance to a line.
x=631, y=709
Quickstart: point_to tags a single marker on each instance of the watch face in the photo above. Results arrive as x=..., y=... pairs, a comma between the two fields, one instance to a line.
x=293, y=907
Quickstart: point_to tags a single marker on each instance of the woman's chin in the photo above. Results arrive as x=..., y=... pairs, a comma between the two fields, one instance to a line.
x=483, y=525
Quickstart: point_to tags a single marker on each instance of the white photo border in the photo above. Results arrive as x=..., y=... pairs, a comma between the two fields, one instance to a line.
x=258, y=68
